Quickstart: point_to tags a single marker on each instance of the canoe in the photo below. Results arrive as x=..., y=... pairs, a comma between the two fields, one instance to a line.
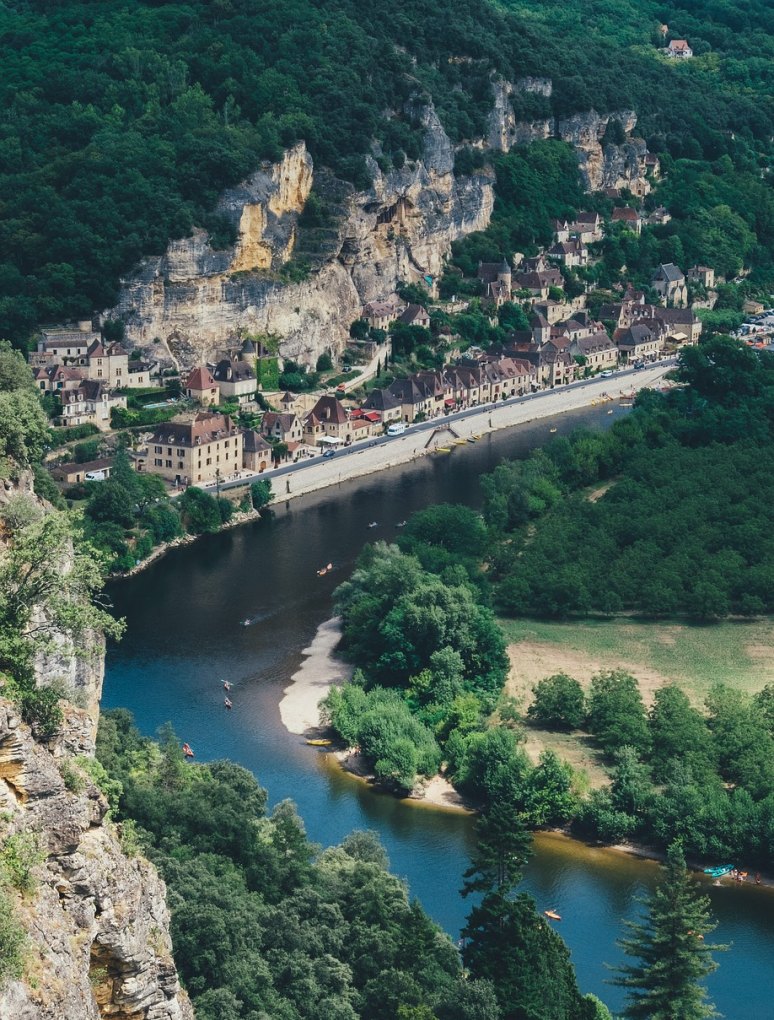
x=553, y=915
x=319, y=743
x=443, y=449
x=718, y=872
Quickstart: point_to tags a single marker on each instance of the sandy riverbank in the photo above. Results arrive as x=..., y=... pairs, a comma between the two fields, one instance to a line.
x=313, y=679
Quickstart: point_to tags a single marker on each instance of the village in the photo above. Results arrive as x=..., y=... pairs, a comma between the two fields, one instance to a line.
x=222, y=423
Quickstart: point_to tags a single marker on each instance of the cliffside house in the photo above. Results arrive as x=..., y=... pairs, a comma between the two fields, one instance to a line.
x=379, y=314
x=658, y=217
x=669, y=283
x=90, y=471
x=235, y=380
x=89, y=403
x=569, y=253
x=678, y=319
x=282, y=427
x=679, y=49
x=193, y=452
x=54, y=378
x=256, y=452
x=107, y=362
x=630, y=217
x=586, y=227
x=57, y=346
x=497, y=278
x=200, y=386
x=415, y=315
x=598, y=351
x=652, y=165
x=703, y=275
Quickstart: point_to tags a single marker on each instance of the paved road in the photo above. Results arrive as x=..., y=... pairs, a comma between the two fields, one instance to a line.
x=386, y=451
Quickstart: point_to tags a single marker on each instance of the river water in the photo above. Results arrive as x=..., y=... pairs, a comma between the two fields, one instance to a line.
x=185, y=636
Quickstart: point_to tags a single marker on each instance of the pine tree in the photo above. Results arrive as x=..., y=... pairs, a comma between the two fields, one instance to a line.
x=669, y=944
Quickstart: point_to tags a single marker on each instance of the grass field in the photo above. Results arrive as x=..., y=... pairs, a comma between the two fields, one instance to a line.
x=740, y=654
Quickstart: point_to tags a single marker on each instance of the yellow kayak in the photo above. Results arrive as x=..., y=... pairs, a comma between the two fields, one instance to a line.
x=320, y=743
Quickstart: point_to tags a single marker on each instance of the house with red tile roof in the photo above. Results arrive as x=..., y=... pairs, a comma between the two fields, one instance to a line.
x=201, y=386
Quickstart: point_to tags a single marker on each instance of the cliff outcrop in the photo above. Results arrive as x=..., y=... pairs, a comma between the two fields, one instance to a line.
x=96, y=920
x=611, y=165
x=196, y=300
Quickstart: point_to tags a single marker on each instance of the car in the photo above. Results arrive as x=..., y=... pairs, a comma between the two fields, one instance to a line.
x=328, y=454
x=606, y=374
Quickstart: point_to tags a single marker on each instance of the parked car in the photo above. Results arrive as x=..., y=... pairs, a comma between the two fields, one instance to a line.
x=329, y=453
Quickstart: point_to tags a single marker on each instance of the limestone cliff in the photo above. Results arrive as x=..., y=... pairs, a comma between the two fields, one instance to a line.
x=97, y=923
x=195, y=299
x=601, y=166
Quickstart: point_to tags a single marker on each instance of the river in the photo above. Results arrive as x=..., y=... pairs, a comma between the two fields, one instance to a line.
x=185, y=636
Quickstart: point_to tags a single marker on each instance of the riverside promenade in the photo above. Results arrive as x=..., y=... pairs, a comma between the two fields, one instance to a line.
x=424, y=438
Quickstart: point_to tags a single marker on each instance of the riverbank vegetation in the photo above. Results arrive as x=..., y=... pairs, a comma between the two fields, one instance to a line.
x=130, y=514
x=657, y=537
x=265, y=923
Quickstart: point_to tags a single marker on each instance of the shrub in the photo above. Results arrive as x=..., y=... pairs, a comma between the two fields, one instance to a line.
x=200, y=511
x=12, y=941
x=260, y=493
x=324, y=363
x=616, y=712
x=19, y=857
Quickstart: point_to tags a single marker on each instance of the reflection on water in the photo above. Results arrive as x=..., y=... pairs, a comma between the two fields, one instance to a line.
x=185, y=637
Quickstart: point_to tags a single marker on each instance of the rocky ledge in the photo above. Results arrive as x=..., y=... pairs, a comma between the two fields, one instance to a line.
x=97, y=923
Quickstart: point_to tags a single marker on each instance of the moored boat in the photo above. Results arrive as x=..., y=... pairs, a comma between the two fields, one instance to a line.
x=719, y=871
x=321, y=742
x=187, y=751
x=553, y=915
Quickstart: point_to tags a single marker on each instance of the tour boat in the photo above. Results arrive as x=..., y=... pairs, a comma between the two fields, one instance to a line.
x=553, y=915
x=187, y=751
x=552, y=430
x=226, y=685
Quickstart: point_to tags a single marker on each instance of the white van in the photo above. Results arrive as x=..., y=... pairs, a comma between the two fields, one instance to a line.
x=396, y=429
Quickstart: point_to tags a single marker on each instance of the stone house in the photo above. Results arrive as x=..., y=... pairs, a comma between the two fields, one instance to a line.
x=56, y=346
x=557, y=366
x=658, y=217
x=194, y=452
x=570, y=253
x=386, y=405
x=109, y=363
x=703, y=275
x=236, y=380
x=679, y=49
x=90, y=471
x=669, y=283
x=631, y=217
x=327, y=419
x=638, y=343
x=497, y=278
x=54, y=378
x=598, y=350
x=678, y=319
x=415, y=315
x=379, y=314
x=415, y=398
x=89, y=403
x=200, y=386
x=282, y=427
x=256, y=452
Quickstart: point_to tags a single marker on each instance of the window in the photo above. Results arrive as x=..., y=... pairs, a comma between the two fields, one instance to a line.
x=169, y=463
x=180, y=464
x=157, y=449
x=208, y=461
x=157, y=462
x=169, y=452
x=180, y=453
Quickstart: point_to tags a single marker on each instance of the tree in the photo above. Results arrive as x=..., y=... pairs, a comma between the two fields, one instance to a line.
x=200, y=511
x=616, y=712
x=670, y=947
x=559, y=703
x=503, y=847
x=260, y=493
x=677, y=730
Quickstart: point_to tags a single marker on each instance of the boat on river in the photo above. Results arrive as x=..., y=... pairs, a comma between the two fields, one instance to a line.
x=720, y=871
x=374, y=524
x=553, y=915
x=227, y=703
x=442, y=449
x=319, y=742
x=552, y=430
x=187, y=751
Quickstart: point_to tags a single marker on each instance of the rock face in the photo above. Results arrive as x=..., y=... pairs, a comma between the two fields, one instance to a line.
x=97, y=922
x=608, y=166
x=196, y=300
x=193, y=301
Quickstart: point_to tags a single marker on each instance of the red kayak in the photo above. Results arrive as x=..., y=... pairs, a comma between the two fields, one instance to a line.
x=187, y=751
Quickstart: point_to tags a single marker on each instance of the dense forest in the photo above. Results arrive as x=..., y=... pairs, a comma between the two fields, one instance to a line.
x=678, y=523
x=123, y=120
x=266, y=924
